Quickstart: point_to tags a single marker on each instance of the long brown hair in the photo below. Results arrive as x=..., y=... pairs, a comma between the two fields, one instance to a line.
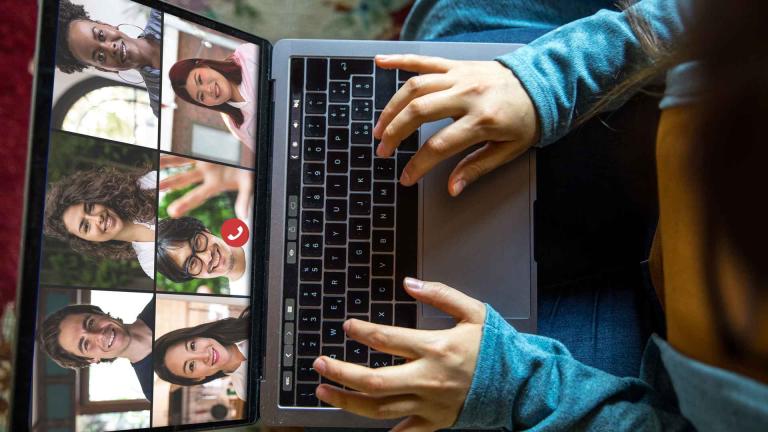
x=117, y=189
x=227, y=331
x=228, y=68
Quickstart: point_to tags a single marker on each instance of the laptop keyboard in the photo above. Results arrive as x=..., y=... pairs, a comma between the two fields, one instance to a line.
x=352, y=229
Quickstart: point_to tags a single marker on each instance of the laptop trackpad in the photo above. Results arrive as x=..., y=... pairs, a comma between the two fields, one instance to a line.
x=479, y=242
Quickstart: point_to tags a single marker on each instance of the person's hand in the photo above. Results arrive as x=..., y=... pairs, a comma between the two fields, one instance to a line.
x=487, y=102
x=211, y=179
x=430, y=388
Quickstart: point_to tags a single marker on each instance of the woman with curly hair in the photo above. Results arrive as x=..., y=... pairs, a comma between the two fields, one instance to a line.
x=105, y=213
x=227, y=86
x=200, y=354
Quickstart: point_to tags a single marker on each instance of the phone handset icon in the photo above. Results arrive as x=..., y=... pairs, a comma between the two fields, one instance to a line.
x=233, y=236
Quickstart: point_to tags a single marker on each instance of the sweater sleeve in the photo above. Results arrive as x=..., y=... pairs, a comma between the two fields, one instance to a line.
x=567, y=70
x=529, y=382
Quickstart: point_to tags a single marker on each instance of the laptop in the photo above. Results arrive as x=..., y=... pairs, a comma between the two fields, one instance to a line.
x=205, y=209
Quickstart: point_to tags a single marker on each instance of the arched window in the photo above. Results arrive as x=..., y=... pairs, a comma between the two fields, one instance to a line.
x=107, y=109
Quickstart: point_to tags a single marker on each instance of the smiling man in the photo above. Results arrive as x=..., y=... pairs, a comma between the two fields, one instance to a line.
x=78, y=336
x=187, y=250
x=83, y=42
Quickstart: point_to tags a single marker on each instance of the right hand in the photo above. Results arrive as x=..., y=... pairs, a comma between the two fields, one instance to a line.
x=487, y=102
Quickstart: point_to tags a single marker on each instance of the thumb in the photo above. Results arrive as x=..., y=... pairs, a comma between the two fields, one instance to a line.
x=482, y=161
x=414, y=424
x=453, y=302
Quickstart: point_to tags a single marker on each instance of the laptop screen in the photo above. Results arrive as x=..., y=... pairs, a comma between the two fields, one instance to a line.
x=145, y=302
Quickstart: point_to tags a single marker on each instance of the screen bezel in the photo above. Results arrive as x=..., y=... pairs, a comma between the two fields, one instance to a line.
x=34, y=194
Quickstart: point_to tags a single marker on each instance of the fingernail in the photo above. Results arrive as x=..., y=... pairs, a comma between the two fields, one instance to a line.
x=383, y=56
x=345, y=326
x=319, y=365
x=321, y=392
x=413, y=284
x=405, y=179
x=459, y=186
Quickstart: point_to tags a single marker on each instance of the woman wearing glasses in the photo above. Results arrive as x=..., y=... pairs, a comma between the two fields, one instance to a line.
x=203, y=353
x=186, y=250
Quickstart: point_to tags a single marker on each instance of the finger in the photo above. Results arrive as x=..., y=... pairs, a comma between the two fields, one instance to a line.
x=180, y=180
x=167, y=160
x=414, y=424
x=482, y=161
x=453, y=302
x=414, y=63
x=243, y=203
x=190, y=201
x=388, y=407
x=413, y=88
x=445, y=143
x=423, y=109
x=385, y=381
x=403, y=342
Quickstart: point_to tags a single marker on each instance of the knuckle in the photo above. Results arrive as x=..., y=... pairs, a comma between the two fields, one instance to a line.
x=436, y=146
x=389, y=132
x=415, y=84
x=418, y=107
x=373, y=383
x=378, y=339
x=473, y=171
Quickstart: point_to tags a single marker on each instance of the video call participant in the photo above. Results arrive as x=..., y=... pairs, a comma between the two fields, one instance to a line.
x=228, y=86
x=187, y=250
x=200, y=354
x=78, y=336
x=83, y=42
x=105, y=213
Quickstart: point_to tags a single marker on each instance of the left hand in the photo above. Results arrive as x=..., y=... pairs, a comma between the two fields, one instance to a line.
x=431, y=387
x=212, y=179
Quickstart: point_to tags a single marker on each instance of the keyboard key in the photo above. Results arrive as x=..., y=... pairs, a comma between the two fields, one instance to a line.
x=336, y=185
x=334, y=352
x=311, y=221
x=359, y=252
x=333, y=333
x=382, y=265
x=405, y=315
x=357, y=302
x=337, y=162
x=305, y=395
x=312, y=197
x=342, y=69
x=362, y=133
x=334, y=283
x=383, y=216
x=403, y=75
x=357, y=276
x=315, y=103
x=383, y=192
x=384, y=169
x=338, y=115
x=397, y=361
x=386, y=81
x=381, y=289
x=360, y=180
x=339, y=92
x=338, y=139
x=378, y=360
x=333, y=307
x=314, y=150
x=317, y=70
x=410, y=143
x=356, y=352
x=311, y=246
x=402, y=161
x=288, y=355
x=336, y=210
x=360, y=317
x=362, y=87
x=406, y=213
x=360, y=157
x=359, y=204
x=359, y=228
x=305, y=371
x=362, y=109
x=314, y=126
x=309, y=320
x=381, y=313
x=314, y=173
x=335, y=234
x=311, y=270
x=383, y=241
x=335, y=258
x=309, y=294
